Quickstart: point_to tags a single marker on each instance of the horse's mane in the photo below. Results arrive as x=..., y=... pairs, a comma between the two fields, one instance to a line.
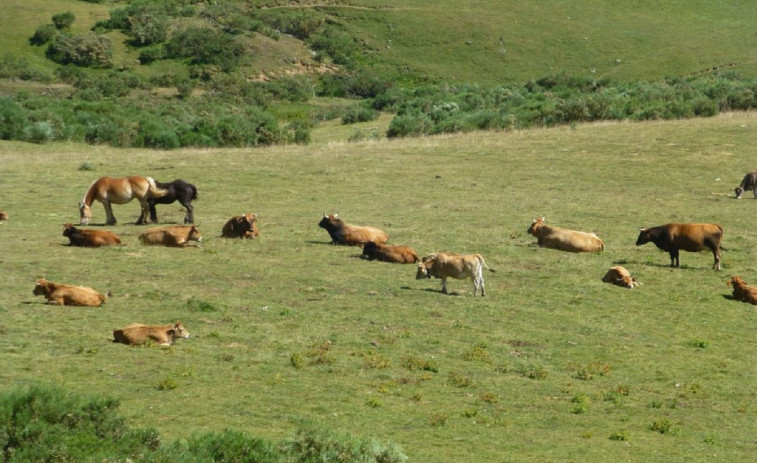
x=89, y=195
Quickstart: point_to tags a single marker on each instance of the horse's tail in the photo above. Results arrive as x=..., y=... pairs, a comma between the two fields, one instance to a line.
x=152, y=189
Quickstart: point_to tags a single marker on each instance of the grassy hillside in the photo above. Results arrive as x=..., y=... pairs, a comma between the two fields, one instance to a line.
x=486, y=42
x=553, y=365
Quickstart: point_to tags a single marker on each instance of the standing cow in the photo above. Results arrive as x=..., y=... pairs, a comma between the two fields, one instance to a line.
x=450, y=265
x=749, y=183
x=241, y=226
x=692, y=237
x=353, y=235
x=564, y=239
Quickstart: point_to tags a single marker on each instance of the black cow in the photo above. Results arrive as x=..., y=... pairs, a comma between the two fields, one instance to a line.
x=692, y=237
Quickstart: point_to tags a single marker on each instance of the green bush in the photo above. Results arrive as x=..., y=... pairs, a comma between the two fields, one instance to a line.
x=12, y=119
x=90, y=49
x=63, y=21
x=359, y=113
x=315, y=445
x=148, y=28
x=335, y=44
x=204, y=45
x=301, y=23
x=44, y=34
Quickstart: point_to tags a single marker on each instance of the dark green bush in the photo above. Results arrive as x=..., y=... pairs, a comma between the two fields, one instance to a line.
x=148, y=28
x=90, y=49
x=300, y=23
x=314, y=445
x=153, y=53
x=44, y=34
x=12, y=119
x=334, y=43
x=63, y=21
x=204, y=45
x=359, y=113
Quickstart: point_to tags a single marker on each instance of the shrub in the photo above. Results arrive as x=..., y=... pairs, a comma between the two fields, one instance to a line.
x=229, y=446
x=148, y=28
x=12, y=119
x=301, y=23
x=359, y=113
x=90, y=49
x=39, y=132
x=206, y=46
x=63, y=21
x=44, y=34
x=311, y=445
x=335, y=44
x=409, y=125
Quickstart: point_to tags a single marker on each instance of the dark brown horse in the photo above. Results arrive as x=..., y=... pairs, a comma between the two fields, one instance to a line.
x=178, y=190
x=110, y=190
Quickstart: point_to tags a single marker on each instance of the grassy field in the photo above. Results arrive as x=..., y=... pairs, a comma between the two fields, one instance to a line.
x=553, y=365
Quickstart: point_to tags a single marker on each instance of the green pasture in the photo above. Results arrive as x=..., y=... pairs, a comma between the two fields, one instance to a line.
x=551, y=366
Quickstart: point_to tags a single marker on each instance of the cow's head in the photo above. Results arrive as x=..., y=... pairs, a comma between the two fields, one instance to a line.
x=85, y=214
x=645, y=236
x=3, y=215
x=330, y=222
x=68, y=229
x=39, y=287
x=536, y=224
x=736, y=281
x=178, y=331
x=628, y=281
x=194, y=234
x=247, y=221
x=424, y=267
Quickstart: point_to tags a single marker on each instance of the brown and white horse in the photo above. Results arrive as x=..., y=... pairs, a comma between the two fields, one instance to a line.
x=110, y=190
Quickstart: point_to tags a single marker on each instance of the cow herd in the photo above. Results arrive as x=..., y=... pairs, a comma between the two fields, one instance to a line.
x=672, y=237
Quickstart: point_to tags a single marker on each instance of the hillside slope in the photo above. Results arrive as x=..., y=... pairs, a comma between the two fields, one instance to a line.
x=486, y=42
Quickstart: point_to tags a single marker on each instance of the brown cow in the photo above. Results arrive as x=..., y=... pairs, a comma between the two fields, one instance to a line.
x=742, y=291
x=459, y=266
x=178, y=236
x=136, y=334
x=60, y=294
x=388, y=253
x=749, y=183
x=342, y=233
x=564, y=239
x=89, y=238
x=692, y=237
x=241, y=226
x=3, y=216
x=619, y=275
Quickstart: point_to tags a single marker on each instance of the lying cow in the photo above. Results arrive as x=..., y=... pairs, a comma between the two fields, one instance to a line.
x=3, y=216
x=60, y=294
x=388, y=253
x=619, y=275
x=450, y=265
x=742, y=291
x=241, y=226
x=342, y=233
x=178, y=236
x=89, y=238
x=692, y=237
x=136, y=334
x=564, y=239
x=749, y=183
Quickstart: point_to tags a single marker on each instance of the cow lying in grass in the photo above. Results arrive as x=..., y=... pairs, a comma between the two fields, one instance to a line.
x=564, y=239
x=241, y=226
x=619, y=275
x=352, y=235
x=178, y=236
x=89, y=238
x=137, y=334
x=387, y=253
x=3, y=216
x=60, y=294
x=450, y=265
x=741, y=291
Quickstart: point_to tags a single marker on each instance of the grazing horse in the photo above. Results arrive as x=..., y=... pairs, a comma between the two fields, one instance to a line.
x=178, y=190
x=110, y=190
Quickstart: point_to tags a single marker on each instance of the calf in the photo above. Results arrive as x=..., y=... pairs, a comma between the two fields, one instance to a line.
x=342, y=233
x=137, y=334
x=241, y=226
x=692, y=237
x=178, y=236
x=60, y=294
x=620, y=276
x=450, y=265
x=3, y=216
x=387, y=253
x=564, y=239
x=89, y=238
x=749, y=183
x=742, y=291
